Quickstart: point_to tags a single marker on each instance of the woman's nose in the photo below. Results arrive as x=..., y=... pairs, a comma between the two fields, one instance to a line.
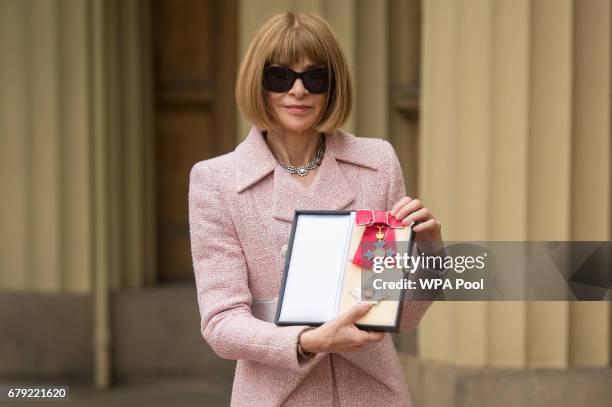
x=298, y=88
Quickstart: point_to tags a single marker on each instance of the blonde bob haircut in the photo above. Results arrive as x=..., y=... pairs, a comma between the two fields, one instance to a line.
x=286, y=39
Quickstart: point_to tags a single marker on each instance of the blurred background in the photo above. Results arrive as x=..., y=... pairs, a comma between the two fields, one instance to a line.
x=498, y=109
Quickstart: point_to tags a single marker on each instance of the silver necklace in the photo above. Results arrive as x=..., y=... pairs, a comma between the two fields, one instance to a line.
x=303, y=171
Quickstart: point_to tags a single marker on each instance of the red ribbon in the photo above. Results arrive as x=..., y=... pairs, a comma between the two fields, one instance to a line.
x=371, y=220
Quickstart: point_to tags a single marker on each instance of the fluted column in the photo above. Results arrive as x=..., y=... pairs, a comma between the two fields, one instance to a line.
x=15, y=268
x=45, y=146
x=48, y=105
x=515, y=145
x=591, y=163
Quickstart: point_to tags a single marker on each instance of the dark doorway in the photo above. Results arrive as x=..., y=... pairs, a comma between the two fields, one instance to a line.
x=195, y=62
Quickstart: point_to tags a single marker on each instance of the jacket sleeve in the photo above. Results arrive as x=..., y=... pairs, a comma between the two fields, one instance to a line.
x=221, y=278
x=415, y=303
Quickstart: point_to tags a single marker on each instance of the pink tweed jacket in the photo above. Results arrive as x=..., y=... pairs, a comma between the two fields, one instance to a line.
x=241, y=206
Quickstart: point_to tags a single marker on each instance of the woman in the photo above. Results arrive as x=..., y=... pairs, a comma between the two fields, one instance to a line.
x=295, y=87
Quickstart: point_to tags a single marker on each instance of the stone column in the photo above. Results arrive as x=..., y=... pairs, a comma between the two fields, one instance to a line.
x=515, y=145
x=57, y=75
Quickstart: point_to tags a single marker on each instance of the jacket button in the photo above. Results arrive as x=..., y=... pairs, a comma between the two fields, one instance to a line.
x=283, y=250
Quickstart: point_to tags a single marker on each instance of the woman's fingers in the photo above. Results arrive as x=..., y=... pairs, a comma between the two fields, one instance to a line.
x=354, y=313
x=347, y=337
x=371, y=336
x=421, y=215
x=362, y=339
x=350, y=337
x=399, y=204
x=406, y=209
x=411, y=211
x=431, y=224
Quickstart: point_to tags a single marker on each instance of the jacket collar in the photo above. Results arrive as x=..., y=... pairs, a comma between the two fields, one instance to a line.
x=329, y=190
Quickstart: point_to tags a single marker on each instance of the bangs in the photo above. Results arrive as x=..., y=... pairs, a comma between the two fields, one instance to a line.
x=293, y=45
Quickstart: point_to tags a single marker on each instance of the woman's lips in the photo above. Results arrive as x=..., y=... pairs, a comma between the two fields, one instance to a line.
x=298, y=110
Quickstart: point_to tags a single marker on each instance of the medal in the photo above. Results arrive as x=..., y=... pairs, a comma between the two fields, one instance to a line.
x=366, y=293
x=380, y=235
x=374, y=244
x=379, y=246
x=378, y=239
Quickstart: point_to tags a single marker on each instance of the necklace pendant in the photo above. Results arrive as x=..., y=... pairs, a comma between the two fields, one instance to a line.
x=303, y=171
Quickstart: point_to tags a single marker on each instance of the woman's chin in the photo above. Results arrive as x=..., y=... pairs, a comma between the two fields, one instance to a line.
x=297, y=125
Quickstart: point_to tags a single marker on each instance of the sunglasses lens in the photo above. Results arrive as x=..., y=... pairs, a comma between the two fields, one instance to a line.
x=315, y=80
x=280, y=79
x=277, y=79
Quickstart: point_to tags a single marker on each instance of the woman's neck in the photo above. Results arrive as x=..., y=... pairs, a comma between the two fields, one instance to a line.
x=292, y=148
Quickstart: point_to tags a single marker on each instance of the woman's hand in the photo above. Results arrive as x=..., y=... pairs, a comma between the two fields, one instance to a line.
x=340, y=334
x=410, y=210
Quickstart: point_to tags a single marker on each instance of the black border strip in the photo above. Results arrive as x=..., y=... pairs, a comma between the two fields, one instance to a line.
x=398, y=316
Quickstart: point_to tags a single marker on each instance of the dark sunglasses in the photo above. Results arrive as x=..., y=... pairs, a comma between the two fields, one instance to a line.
x=280, y=79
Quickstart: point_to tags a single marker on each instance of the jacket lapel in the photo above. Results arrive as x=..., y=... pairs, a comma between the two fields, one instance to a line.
x=254, y=160
x=330, y=189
